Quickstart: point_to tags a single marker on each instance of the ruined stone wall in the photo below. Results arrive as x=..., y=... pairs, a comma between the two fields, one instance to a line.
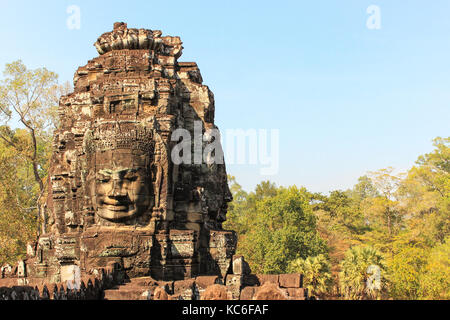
x=87, y=288
x=104, y=286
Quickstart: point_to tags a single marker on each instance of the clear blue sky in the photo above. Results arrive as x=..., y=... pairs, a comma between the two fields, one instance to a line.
x=346, y=99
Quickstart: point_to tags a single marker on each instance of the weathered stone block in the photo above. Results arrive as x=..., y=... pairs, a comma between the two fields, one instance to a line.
x=184, y=288
x=240, y=266
x=268, y=278
x=270, y=291
x=166, y=285
x=160, y=294
x=204, y=282
x=216, y=292
x=234, y=284
x=297, y=293
x=291, y=280
x=247, y=293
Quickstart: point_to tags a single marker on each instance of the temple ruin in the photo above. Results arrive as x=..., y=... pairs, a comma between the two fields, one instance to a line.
x=123, y=220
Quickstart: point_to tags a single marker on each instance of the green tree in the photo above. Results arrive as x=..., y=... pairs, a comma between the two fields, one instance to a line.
x=265, y=189
x=416, y=270
x=17, y=204
x=284, y=229
x=240, y=209
x=355, y=273
x=425, y=196
x=364, y=189
x=30, y=97
x=28, y=100
x=435, y=280
x=405, y=271
x=383, y=214
x=341, y=221
x=316, y=272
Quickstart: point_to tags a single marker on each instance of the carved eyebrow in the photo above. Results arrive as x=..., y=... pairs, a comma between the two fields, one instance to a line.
x=125, y=171
x=108, y=172
x=133, y=170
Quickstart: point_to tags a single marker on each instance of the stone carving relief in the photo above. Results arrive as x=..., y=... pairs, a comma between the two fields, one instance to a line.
x=115, y=194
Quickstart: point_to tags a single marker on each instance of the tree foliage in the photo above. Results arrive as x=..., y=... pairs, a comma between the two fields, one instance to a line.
x=18, y=209
x=355, y=272
x=435, y=280
x=28, y=106
x=400, y=222
x=275, y=227
x=316, y=272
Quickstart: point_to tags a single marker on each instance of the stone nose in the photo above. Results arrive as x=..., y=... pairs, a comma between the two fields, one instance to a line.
x=117, y=190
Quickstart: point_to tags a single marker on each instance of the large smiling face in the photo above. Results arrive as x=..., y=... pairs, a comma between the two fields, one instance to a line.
x=120, y=185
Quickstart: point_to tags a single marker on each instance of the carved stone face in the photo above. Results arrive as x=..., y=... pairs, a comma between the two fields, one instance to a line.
x=120, y=185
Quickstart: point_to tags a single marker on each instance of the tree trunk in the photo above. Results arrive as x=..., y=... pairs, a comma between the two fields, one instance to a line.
x=37, y=178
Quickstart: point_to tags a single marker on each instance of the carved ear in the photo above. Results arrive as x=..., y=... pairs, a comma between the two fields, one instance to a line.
x=88, y=145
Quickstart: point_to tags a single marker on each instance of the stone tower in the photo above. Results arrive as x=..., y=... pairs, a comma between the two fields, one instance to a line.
x=116, y=196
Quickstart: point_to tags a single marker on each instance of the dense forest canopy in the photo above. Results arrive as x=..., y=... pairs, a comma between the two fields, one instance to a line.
x=397, y=223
